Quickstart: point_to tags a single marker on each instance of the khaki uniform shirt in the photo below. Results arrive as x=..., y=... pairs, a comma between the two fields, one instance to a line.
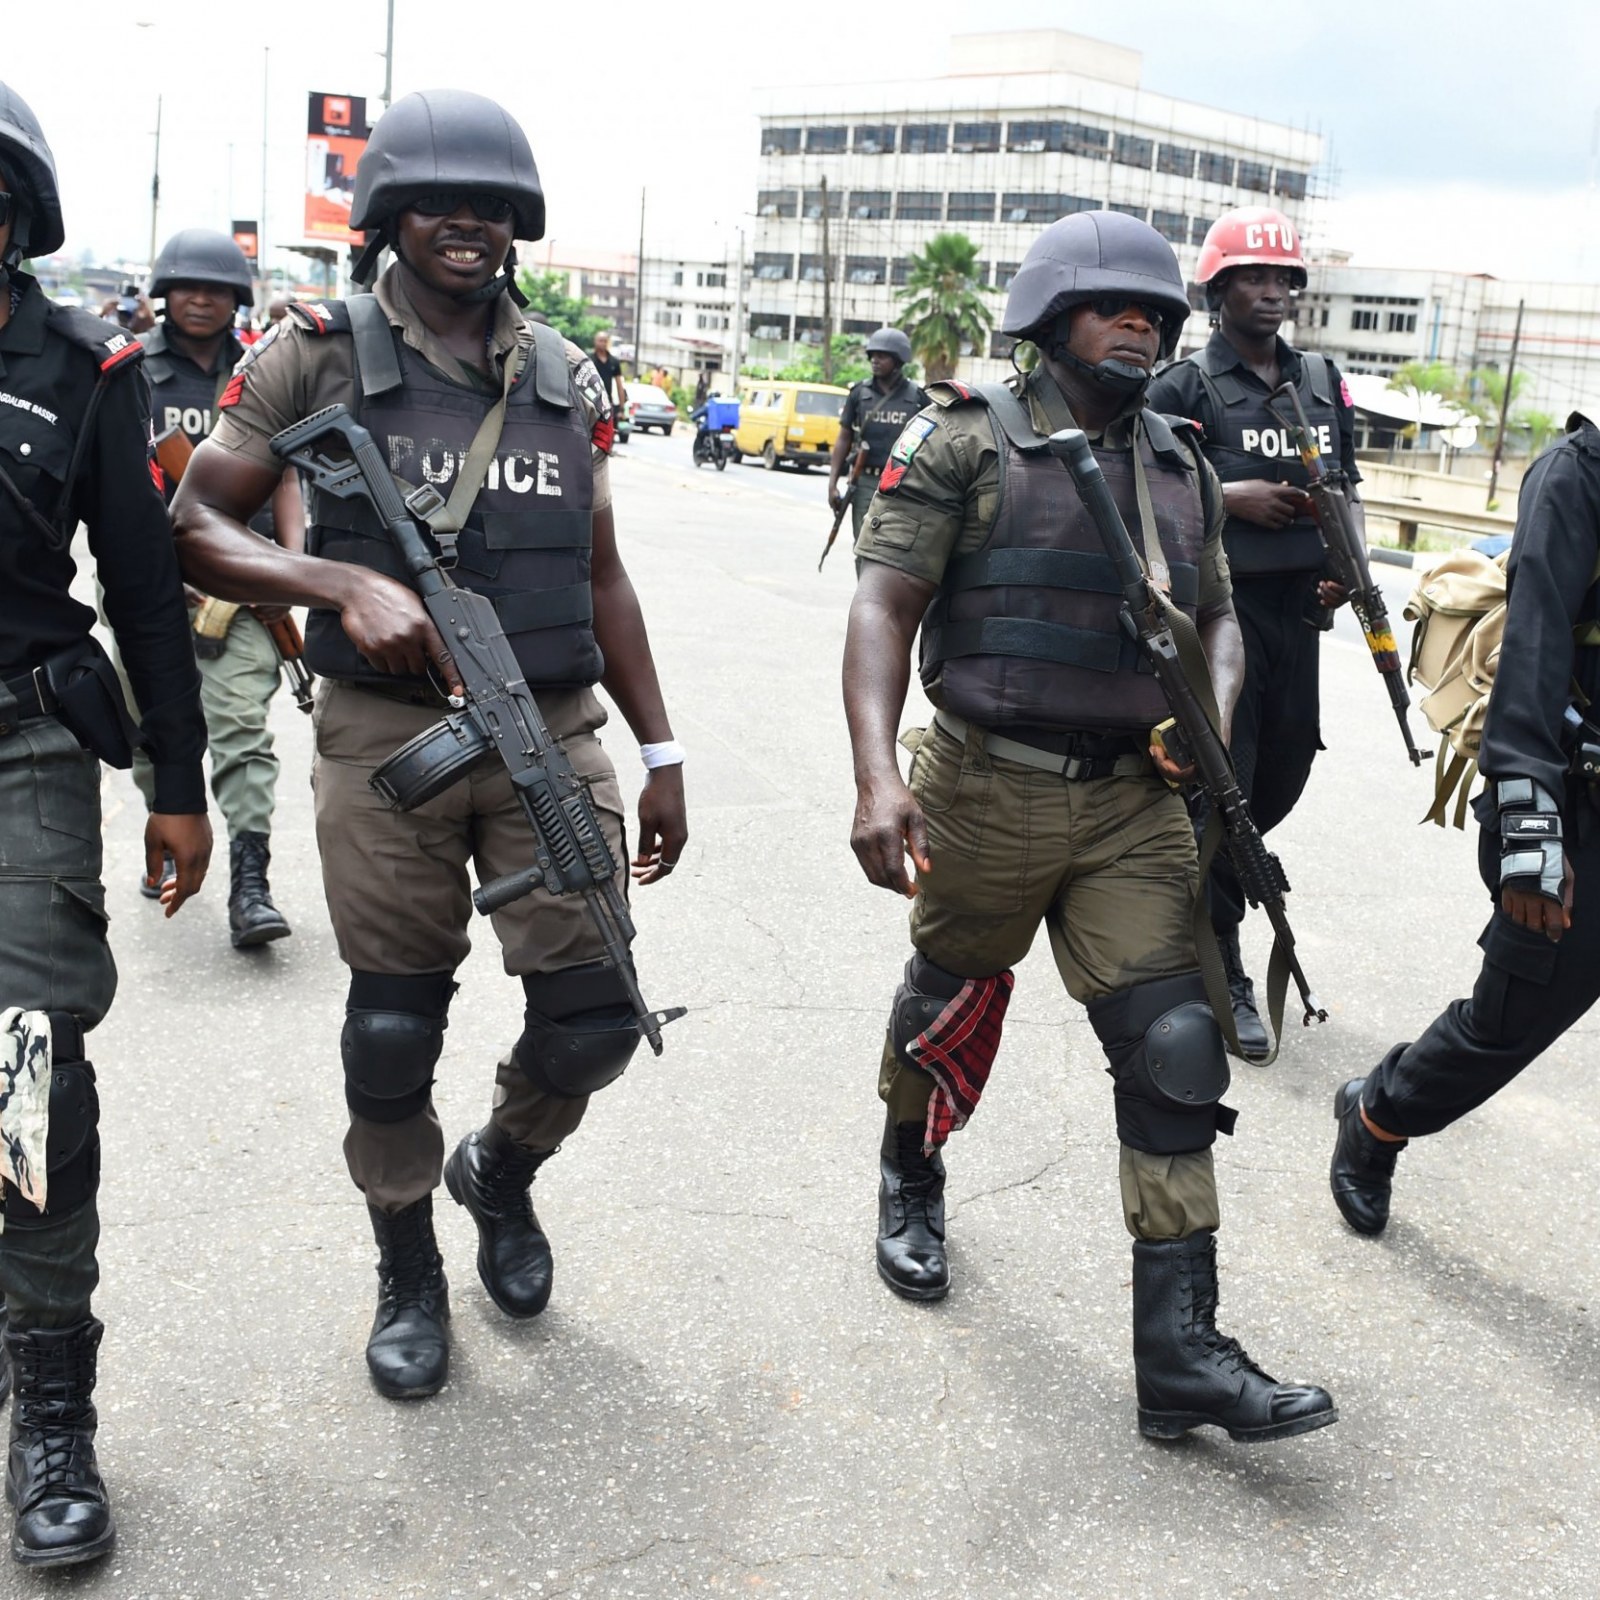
x=945, y=504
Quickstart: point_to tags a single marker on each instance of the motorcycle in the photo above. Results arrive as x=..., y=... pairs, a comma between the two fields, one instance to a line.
x=714, y=445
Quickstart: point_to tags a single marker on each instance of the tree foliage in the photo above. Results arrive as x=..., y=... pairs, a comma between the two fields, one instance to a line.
x=943, y=305
x=569, y=316
x=849, y=363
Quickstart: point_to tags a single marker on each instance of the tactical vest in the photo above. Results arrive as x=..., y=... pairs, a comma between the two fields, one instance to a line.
x=183, y=397
x=881, y=418
x=1026, y=631
x=527, y=542
x=1245, y=440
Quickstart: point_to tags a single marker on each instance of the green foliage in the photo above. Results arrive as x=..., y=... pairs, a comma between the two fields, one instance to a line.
x=942, y=306
x=1491, y=385
x=547, y=293
x=1431, y=377
x=849, y=364
x=1541, y=426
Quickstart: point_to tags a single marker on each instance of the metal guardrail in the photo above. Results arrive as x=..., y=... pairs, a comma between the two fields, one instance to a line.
x=1411, y=513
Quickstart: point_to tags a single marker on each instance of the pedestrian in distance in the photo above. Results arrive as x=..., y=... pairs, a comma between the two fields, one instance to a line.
x=438, y=352
x=1251, y=267
x=610, y=370
x=874, y=415
x=1038, y=795
x=1538, y=848
x=74, y=447
x=203, y=277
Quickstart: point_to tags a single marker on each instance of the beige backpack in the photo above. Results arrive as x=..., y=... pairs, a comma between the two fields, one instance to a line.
x=1459, y=608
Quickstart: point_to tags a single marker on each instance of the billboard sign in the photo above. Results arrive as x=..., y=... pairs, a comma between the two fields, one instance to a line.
x=336, y=134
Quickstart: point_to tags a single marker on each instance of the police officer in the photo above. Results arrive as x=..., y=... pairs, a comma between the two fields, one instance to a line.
x=74, y=441
x=1250, y=265
x=434, y=361
x=1538, y=852
x=1037, y=795
x=189, y=358
x=876, y=409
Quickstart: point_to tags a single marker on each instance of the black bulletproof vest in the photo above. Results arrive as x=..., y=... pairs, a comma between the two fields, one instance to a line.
x=527, y=542
x=1245, y=440
x=1025, y=631
x=882, y=417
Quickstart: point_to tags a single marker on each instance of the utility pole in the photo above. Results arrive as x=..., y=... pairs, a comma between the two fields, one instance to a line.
x=261, y=242
x=388, y=59
x=1505, y=407
x=155, y=187
x=738, y=316
x=638, y=296
x=827, y=293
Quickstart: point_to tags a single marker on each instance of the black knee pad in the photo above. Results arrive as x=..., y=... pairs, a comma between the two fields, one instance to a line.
x=72, y=1143
x=579, y=1030
x=924, y=992
x=1167, y=1061
x=393, y=1034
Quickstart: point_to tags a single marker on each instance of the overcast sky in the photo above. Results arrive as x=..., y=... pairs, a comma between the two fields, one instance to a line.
x=1460, y=134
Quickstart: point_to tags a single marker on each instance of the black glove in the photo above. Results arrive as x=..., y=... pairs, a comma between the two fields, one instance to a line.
x=1531, y=857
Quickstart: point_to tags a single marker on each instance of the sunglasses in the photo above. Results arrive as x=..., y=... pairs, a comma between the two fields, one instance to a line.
x=1110, y=307
x=446, y=202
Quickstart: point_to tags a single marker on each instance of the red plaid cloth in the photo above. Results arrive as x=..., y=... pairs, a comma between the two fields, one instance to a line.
x=956, y=1050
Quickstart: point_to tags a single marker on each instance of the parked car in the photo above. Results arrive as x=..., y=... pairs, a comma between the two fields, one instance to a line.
x=650, y=407
x=793, y=422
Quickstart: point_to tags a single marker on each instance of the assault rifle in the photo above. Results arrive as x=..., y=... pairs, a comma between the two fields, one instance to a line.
x=1347, y=558
x=857, y=462
x=1152, y=620
x=498, y=718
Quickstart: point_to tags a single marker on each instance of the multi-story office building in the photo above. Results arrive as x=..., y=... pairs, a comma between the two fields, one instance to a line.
x=690, y=308
x=1026, y=128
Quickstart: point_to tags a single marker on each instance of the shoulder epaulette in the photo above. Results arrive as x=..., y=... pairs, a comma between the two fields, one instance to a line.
x=113, y=348
x=1180, y=425
x=321, y=316
x=948, y=392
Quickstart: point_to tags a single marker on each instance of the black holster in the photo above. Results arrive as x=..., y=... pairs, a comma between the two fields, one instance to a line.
x=89, y=705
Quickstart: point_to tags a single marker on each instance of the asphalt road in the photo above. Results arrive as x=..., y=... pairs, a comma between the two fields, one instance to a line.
x=722, y=1397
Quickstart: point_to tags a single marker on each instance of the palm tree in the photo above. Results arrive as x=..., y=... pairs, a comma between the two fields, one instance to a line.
x=1418, y=378
x=942, y=306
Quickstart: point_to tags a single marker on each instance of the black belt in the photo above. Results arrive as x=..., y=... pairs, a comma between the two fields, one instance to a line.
x=1075, y=755
x=32, y=695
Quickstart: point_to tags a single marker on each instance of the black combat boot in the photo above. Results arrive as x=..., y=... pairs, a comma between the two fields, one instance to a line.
x=490, y=1175
x=52, y=1480
x=408, y=1353
x=911, y=1255
x=1363, y=1165
x=1255, y=1044
x=252, y=917
x=1189, y=1375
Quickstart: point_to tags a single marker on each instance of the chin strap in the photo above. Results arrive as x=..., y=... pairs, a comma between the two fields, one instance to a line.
x=504, y=282
x=1121, y=377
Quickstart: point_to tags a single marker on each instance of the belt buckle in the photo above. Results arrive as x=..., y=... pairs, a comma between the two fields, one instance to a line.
x=41, y=687
x=1072, y=770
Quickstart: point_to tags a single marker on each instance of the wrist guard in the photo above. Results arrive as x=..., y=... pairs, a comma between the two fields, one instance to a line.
x=1531, y=856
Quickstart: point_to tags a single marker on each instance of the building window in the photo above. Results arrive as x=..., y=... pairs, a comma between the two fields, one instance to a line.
x=1215, y=168
x=1198, y=229
x=1000, y=345
x=1291, y=185
x=778, y=202
x=1173, y=226
x=768, y=325
x=866, y=269
x=925, y=138
x=711, y=320
x=875, y=140
x=677, y=278
x=711, y=280
x=1175, y=160
x=1364, y=321
x=1402, y=322
x=808, y=330
x=918, y=205
x=900, y=271
x=1004, y=272
x=1032, y=136
x=1129, y=211
x=780, y=141
x=827, y=141
x=975, y=138
x=1036, y=207
x=1133, y=151
x=1078, y=139
x=811, y=269
x=666, y=317
x=773, y=268
x=861, y=325
x=811, y=203
x=869, y=203
x=1255, y=175
x=966, y=207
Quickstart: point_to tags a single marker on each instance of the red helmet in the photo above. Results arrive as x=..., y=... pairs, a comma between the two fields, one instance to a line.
x=1253, y=236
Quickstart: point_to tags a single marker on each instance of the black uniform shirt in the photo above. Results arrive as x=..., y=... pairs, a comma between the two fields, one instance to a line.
x=1178, y=391
x=1550, y=588
x=886, y=415
x=45, y=384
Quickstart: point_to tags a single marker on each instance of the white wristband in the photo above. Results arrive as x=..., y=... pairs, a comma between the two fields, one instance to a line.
x=669, y=753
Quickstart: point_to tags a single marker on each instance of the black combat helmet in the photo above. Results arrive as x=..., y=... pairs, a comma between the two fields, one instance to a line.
x=36, y=228
x=890, y=342
x=1095, y=253
x=198, y=255
x=444, y=140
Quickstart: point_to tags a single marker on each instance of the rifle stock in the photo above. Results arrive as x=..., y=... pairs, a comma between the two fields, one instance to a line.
x=1147, y=616
x=1347, y=557
x=570, y=850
